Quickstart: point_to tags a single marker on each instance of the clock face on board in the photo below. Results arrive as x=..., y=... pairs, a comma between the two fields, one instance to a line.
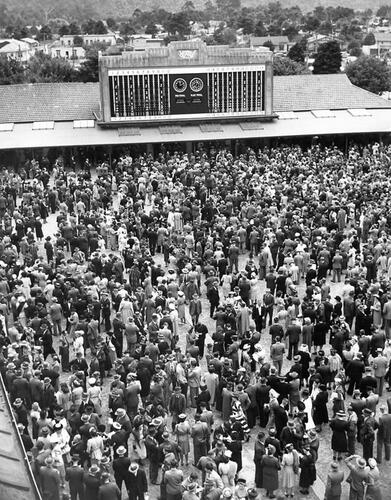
x=196, y=84
x=180, y=85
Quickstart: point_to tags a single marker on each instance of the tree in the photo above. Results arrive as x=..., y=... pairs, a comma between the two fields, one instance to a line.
x=355, y=52
x=320, y=13
x=20, y=32
x=222, y=36
x=111, y=23
x=63, y=30
x=286, y=66
x=369, y=39
x=328, y=58
x=188, y=5
x=41, y=68
x=311, y=23
x=297, y=53
x=290, y=31
x=259, y=29
x=245, y=22
x=151, y=29
x=384, y=12
x=74, y=29
x=227, y=7
x=78, y=41
x=100, y=28
x=337, y=13
x=45, y=33
x=89, y=69
x=325, y=28
x=354, y=48
x=88, y=27
x=11, y=71
x=370, y=73
x=178, y=24
x=269, y=44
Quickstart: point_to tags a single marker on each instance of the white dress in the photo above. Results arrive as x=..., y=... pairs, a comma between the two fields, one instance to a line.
x=308, y=410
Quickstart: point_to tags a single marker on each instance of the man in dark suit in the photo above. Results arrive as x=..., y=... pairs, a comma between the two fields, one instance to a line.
x=214, y=298
x=262, y=398
x=368, y=381
x=136, y=482
x=367, y=433
x=108, y=490
x=200, y=435
x=153, y=454
x=50, y=480
x=121, y=465
x=276, y=330
x=74, y=475
x=354, y=370
x=293, y=333
x=383, y=435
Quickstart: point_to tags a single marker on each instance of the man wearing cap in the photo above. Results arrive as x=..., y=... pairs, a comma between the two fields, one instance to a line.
x=358, y=476
x=136, y=482
x=177, y=405
x=50, y=480
x=74, y=475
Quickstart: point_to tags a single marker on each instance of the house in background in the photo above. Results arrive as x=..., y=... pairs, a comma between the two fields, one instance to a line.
x=16, y=49
x=107, y=38
x=313, y=42
x=72, y=52
x=142, y=42
x=280, y=43
x=382, y=46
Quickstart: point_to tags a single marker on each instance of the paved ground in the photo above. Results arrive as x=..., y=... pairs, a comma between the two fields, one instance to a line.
x=325, y=453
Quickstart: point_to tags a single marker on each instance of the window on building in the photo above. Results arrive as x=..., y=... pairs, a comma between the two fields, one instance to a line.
x=58, y=53
x=6, y=127
x=83, y=124
x=43, y=125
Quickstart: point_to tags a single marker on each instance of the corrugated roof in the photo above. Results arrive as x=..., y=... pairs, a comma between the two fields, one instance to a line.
x=382, y=37
x=48, y=101
x=260, y=40
x=78, y=101
x=308, y=92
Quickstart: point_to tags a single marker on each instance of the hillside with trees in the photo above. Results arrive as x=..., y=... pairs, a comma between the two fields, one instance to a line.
x=41, y=11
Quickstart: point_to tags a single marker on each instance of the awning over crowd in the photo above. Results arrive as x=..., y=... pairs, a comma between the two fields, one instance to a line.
x=60, y=115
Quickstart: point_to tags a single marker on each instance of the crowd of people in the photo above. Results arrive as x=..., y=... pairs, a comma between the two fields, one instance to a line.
x=161, y=316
